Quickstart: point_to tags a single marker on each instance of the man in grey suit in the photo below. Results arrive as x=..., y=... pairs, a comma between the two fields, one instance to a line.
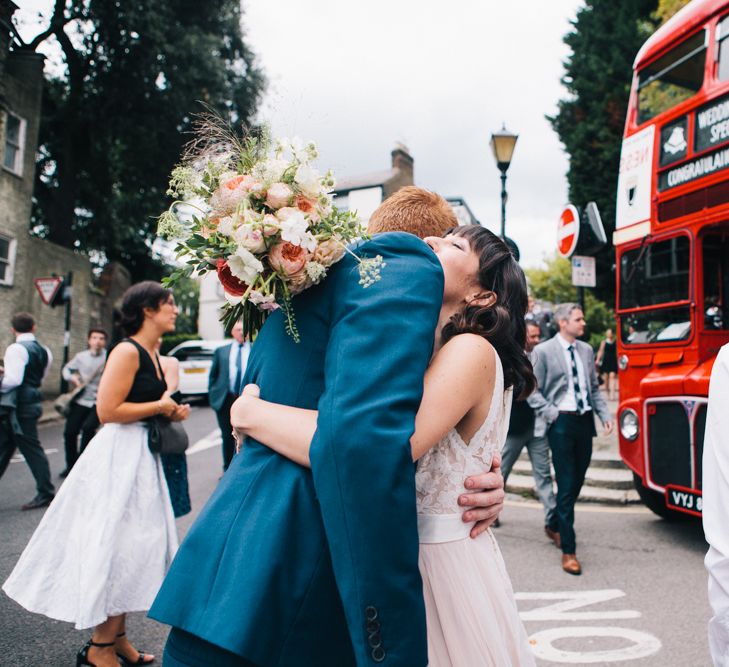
x=565, y=401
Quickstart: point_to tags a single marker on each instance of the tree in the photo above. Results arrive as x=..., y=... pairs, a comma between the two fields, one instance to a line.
x=114, y=121
x=187, y=298
x=554, y=284
x=605, y=38
x=667, y=8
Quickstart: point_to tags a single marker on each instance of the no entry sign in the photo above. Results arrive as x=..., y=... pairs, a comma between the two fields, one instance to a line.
x=568, y=231
x=47, y=288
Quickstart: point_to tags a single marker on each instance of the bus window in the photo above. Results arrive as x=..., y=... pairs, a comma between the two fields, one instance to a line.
x=655, y=273
x=656, y=326
x=722, y=32
x=673, y=78
x=716, y=281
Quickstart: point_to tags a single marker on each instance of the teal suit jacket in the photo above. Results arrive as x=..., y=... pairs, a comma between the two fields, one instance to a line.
x=291, y=566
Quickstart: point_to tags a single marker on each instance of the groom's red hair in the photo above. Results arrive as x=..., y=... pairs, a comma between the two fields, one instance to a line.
x=413, y=210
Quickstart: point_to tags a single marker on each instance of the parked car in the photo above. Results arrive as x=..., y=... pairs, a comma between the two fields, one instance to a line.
x=196, y=358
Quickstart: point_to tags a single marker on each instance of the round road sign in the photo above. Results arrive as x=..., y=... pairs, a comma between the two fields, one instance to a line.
x=568, y=231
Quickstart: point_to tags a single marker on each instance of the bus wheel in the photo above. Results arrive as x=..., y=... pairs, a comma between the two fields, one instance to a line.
x=654, y=501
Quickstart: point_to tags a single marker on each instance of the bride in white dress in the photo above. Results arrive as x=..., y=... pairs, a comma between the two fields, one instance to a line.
x=478, y=364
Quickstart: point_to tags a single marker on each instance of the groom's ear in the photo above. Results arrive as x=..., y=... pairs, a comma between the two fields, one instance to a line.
x=483, y=300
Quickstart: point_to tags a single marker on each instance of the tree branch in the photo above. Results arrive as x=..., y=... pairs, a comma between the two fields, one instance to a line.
x=58, y=21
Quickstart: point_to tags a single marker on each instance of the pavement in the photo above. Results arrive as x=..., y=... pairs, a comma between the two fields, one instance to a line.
x=641, y=601
x=608, y=479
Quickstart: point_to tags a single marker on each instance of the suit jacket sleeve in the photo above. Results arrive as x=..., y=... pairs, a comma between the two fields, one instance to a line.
x=381, y=339
x=214, y=370
x=537, y=401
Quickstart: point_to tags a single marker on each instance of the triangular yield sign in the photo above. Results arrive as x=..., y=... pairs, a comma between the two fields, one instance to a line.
x=47, y=288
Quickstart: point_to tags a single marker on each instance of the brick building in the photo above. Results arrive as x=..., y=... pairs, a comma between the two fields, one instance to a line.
x=23, y=257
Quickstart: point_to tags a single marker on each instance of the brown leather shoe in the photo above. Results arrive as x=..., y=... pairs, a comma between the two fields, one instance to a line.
x=570, y=564
x=554, y=536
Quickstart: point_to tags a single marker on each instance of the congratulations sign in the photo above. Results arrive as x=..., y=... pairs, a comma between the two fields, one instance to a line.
x=693, y=169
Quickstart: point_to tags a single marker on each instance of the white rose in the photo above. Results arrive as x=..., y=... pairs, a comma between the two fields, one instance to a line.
x=249, y=238
x=294, y=227
x=245, y=266
x=226, y=225
x=308, y=180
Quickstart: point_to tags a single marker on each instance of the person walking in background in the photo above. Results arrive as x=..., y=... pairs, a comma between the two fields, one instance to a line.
x=105, y=543
x=84, y=369
x=225, y=384
x=566, y=397
x=715, y=489
x=607, y=362
x=25, y=364
x=521, y=434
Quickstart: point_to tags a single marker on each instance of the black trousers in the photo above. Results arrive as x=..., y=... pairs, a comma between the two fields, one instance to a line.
x=81, y=419
x=186, y=650
x=29, y=445
x=226, y=430
x=570, y=439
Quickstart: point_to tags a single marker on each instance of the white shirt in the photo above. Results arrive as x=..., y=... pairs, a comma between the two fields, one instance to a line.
x=715, y=503
x=16, y=359
x=233, y=362
x=569, y=402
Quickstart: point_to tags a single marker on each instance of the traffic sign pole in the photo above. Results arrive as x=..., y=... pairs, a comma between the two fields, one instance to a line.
x=67, y=296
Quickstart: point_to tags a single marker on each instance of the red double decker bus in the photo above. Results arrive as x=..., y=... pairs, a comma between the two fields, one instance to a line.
x=672, y=246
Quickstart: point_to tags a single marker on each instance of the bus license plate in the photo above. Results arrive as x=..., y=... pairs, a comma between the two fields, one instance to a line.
x=683, y=499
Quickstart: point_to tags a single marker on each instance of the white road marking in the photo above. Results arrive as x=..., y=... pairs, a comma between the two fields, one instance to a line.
x=212, y=439
x=585, y=507
x=571, y=600
x=641, y=645
x=19, y=458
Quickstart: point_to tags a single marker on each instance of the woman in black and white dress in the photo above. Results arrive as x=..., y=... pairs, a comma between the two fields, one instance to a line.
x=106, y=541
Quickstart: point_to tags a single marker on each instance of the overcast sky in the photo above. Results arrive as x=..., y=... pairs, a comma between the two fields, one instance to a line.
x=439, y=77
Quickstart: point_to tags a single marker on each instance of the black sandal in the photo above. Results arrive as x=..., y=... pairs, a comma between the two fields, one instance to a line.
x=82, y=657
x=140, y=660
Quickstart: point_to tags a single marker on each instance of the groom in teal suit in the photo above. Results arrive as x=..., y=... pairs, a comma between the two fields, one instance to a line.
x=287, y=566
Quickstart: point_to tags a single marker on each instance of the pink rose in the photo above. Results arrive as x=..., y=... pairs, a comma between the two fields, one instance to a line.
x=231, y=192
x=305, y=204
x=271, y=227
x=279, y=195
x=288, y=258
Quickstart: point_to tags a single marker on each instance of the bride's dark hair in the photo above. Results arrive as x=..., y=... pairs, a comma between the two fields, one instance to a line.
x=502, y=323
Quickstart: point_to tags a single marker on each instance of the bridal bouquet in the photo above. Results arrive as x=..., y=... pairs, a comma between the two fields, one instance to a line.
x=258, y=213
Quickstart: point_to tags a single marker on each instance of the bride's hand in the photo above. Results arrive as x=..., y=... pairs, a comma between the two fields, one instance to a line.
x=241, y=413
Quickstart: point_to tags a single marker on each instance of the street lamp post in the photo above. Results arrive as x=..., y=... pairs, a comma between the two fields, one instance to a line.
x=502, y=146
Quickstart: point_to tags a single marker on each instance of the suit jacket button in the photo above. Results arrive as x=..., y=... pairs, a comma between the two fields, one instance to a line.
x=375, y=641
x=378, y=654
x=372, y=626
x=370, y=613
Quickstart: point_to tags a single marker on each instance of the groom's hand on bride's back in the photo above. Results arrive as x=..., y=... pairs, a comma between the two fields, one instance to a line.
x=484, y=498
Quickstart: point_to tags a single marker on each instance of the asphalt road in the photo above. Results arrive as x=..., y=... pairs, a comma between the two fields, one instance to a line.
x=640, y=602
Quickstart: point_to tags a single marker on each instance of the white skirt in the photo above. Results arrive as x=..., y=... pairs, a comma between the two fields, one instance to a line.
x=470, y=609
x=105, y=543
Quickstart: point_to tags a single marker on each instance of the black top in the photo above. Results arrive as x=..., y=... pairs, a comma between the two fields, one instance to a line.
x=147, y=385
x=609, y=358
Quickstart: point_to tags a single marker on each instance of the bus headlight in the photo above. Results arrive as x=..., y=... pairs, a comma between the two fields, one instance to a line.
x=623, y=362
x=629, y=427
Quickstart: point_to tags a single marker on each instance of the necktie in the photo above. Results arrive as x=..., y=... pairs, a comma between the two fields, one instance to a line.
x=576, y=380
x=239, y=370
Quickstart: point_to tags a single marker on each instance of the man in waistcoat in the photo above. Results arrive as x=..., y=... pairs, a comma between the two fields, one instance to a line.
x=26, y=363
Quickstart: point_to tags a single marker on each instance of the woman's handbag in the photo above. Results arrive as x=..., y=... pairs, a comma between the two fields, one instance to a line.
x=165, y=436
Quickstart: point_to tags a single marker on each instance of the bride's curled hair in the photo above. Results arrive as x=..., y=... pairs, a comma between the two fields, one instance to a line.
x=502, y=323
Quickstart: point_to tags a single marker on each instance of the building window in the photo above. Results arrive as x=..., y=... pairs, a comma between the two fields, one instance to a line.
x=14, y=144
x=7, y=259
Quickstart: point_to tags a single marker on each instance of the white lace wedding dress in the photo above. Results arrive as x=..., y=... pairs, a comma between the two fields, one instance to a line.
x=471, y=613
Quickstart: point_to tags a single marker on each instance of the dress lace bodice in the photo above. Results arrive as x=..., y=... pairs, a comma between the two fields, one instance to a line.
x=442, y=470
